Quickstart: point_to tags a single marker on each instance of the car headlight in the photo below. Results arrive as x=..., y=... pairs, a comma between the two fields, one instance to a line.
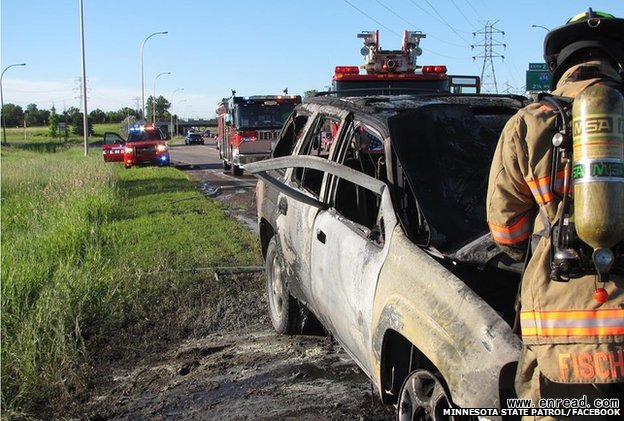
x=161, y=148
x=129, y=149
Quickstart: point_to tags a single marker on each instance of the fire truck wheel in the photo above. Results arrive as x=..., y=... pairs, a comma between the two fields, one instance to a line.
x=283, y=307
x=128, y=166
x=236, y=170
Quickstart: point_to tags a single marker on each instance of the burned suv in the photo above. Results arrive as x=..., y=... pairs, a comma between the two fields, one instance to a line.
x=381, y=236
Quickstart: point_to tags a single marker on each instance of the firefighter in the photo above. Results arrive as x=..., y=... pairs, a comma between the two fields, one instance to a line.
x=572, y=327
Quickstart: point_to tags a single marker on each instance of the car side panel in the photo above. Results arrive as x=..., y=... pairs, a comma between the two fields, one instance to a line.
x=345, y=269
x=441, y=316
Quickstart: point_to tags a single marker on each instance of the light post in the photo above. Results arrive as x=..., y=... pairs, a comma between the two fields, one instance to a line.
x=540, y=26
x=171, y=112
x=2, y=100
x=178, y=118
x=143, y=74
x=154, y=97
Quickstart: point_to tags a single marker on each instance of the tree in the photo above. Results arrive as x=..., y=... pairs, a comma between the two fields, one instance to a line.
x=311, y=92
x=162, y=108
x=97, y=116
x=70, y=114
x=13, y=115
x=35, y=116
x=53, y=122
x=77, y=125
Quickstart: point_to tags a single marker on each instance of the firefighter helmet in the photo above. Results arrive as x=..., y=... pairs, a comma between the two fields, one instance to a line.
x=588, y=30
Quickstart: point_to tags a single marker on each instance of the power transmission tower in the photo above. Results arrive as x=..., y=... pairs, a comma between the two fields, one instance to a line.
x=488, y=77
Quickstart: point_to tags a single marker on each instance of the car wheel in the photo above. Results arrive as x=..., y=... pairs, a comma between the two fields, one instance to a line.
x=236, y=170
x=283, y=307
x=423, y=396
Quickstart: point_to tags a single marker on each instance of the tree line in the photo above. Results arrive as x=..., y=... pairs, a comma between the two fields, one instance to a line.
x=15, y=116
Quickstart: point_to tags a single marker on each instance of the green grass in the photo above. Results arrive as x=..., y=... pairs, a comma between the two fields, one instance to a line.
x=89, y=249
x=40, y=134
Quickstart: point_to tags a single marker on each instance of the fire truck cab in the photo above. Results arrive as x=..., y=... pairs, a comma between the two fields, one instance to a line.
x=393, y=72
x=248, y=127
x=146, y=144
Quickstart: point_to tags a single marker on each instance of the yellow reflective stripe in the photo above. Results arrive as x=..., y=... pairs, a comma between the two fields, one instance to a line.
x=600, y=322
x=512, y=234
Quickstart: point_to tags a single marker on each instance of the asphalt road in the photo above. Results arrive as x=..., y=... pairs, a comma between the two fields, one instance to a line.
x=201, y=163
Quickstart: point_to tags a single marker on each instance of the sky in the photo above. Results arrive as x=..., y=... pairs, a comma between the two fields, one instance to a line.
x=254, y=47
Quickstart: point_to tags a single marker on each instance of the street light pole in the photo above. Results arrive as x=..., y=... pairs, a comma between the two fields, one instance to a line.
x=4, y=142
x=540, y=26
x=143, y=74
x=154, y=97
x=171, y=112
x=85, y=115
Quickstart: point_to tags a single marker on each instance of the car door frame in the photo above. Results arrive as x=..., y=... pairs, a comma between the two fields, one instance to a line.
x=313, y=295
x=113, y=152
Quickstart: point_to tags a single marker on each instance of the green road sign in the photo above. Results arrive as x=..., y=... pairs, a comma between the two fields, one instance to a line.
x=538, y=66
x=538, y=79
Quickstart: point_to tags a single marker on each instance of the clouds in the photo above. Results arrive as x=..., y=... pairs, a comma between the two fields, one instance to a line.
x=67, y=93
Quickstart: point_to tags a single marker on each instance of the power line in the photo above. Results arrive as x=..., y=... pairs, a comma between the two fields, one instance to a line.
x=371, y=18
x=474, y=10
x=415, y=26
x=446, y=23
x=462, y=13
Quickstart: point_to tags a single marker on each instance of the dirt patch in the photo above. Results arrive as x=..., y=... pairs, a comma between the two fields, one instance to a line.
x=223, y=360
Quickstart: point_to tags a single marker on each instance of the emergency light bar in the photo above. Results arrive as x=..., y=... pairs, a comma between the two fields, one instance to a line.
x=349, y=70
x=434, y=69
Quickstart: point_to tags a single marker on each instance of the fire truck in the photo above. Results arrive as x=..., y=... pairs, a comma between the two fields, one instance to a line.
x=146, y=144
x=248, y=127
x=392, y=72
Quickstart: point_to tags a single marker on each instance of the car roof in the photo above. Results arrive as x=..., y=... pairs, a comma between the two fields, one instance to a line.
x=386, y=106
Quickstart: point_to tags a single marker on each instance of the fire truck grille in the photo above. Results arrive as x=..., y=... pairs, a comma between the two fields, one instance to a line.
x=267, y=135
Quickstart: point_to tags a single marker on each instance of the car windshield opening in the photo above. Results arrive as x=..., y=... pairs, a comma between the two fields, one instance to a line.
x=445, y=152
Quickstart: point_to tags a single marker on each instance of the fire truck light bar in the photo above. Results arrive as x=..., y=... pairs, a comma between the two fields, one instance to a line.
x=349, y=70
x=434, y=69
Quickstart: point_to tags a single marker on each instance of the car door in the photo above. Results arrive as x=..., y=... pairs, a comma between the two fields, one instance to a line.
x=350, y=243
x=296, y=217
x=113, y=147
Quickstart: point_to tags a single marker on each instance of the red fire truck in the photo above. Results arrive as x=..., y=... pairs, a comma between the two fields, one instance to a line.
x=391, y=72
x=248, y=127
x=145, y=145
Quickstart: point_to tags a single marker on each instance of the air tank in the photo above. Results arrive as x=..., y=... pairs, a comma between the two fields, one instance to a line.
x=598, y=166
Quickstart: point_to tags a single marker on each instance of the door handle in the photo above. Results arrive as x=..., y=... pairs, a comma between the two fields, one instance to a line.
x=320, y=235
x=282, y=206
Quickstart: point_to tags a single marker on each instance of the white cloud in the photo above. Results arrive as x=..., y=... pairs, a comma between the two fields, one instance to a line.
x=67, y=93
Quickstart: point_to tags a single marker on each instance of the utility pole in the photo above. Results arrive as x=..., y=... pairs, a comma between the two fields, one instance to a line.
x=488, y=76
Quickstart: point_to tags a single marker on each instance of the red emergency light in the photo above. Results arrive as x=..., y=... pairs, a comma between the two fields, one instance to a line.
x=434, y=69
x=348, y=70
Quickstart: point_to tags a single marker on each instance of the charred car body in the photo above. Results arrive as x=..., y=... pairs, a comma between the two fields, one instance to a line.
x=146, y=145
x=382, y=237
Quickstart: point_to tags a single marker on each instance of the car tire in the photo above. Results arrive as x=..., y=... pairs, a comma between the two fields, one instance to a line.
x=237, y=171
x=284, y=309
x=424, y=395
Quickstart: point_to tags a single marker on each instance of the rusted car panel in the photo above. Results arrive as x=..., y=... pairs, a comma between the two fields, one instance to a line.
x=462, y=335
x=381, y=236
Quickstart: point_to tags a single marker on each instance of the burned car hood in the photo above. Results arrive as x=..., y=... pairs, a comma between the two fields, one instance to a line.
x=445, y=151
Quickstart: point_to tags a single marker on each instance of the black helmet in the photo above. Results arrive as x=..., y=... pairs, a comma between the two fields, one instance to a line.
x=588, y=30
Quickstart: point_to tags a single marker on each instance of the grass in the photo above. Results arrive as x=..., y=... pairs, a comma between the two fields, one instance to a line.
x=40, y=134
x=90, y=249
